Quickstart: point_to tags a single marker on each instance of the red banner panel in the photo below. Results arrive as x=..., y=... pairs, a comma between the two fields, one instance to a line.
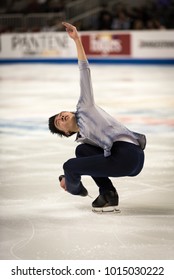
x=107, y=44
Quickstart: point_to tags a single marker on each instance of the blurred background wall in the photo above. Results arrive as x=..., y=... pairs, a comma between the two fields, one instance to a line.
x=39, y=15
x=110, y=29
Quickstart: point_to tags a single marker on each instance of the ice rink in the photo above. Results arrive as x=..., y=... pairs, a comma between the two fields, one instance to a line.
x=38, y=220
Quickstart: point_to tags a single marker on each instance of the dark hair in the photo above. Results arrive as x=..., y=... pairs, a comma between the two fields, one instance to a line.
x=55, y=130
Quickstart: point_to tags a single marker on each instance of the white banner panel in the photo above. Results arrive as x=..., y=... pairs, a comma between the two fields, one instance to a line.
x=153, y=44
x=37, y=45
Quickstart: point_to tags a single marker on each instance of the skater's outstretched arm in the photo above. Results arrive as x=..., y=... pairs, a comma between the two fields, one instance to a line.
x=86, y=92
x=72, y=32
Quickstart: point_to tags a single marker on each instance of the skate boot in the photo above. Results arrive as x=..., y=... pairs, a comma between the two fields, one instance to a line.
x=107, y=202
x=83, y=191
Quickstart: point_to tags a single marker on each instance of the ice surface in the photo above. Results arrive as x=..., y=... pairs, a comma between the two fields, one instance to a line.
x=40, y=221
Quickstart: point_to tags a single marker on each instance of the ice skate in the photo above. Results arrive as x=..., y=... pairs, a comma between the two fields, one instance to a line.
x=107, y=202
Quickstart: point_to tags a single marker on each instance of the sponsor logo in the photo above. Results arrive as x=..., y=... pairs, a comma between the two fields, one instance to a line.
x=157, y=44
x=39, y=44
x=106, y=44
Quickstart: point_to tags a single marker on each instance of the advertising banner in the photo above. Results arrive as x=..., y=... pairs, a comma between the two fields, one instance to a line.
x=153, y=44
x=115, y=45
x=37, y=45
x=107, y=44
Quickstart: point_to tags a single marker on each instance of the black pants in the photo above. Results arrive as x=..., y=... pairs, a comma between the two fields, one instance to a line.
x=126, y=160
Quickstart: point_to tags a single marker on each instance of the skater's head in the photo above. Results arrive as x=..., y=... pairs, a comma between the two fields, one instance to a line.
x=63, y=124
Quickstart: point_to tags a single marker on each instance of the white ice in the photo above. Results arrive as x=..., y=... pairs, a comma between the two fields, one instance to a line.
x=40, y=221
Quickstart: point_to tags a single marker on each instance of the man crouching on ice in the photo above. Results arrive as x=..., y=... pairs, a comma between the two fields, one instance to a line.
x=108, y=148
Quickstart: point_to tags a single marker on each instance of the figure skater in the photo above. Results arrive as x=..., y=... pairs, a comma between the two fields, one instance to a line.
x=107, y=149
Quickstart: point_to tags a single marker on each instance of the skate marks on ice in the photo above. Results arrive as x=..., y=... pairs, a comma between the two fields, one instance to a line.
x=21, y=244
x=60, y=226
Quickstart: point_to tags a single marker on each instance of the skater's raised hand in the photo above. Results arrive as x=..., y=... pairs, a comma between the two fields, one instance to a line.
x=71, y=30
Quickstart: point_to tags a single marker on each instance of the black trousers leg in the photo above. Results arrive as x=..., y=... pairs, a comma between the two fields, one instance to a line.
x=126, y=160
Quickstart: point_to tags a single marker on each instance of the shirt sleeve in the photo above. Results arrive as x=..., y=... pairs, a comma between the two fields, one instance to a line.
x=86, y=98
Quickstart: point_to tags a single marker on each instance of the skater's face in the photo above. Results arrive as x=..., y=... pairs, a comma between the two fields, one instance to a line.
x=65, y=121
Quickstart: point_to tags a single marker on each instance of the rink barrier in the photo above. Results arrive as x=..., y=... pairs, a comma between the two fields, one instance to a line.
x=106, y=47
x=91, y=60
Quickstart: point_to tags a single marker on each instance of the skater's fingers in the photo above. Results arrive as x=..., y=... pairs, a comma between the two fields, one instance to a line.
x=63, y=187
x=69, y=27
x=63, y=184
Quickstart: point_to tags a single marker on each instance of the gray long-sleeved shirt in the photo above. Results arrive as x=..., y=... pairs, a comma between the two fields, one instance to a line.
x=96, y=127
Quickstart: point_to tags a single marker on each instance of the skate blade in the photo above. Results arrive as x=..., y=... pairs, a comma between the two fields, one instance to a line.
x=108, y=209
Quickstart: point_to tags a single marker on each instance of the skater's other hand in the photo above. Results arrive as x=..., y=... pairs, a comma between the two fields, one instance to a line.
x=63, y=184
